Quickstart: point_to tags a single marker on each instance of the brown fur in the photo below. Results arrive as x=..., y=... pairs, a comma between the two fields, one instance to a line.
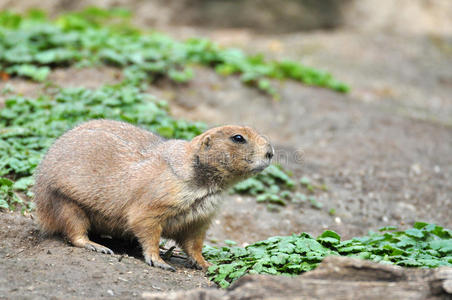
x=114, y=178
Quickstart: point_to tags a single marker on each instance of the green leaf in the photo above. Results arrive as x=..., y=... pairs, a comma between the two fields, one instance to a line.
x=286, y=247
x=277, y=200
x=6, y=182
x=279, y=259
x=271, y=271
x=305, y=181
x=409, y=263
x=223, y=283
x=316, y=204
x=413, y=232
x=31, y=71
x=442, y=246
x=387, y=228
x=3, y=204
x=420, y=225
x=299, y=198
x=329, y=237
x=230, y=243
x=352, y=249
x=23, y=183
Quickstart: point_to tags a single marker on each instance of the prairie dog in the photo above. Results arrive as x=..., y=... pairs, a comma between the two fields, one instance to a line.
x=114, y=178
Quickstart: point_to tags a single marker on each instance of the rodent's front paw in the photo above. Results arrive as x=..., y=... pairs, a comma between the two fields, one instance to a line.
x=160, y=264
x=98, y=248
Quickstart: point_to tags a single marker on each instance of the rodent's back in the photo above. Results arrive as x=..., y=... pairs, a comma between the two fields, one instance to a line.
x=132, y=135
x=92, y=163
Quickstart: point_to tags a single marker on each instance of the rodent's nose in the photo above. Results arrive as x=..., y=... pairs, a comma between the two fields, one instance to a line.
x=270, y=153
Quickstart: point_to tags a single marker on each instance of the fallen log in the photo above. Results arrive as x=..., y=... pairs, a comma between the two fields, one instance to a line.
x=335, y=278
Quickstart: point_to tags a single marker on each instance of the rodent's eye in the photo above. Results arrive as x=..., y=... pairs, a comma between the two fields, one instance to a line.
x=238, y=139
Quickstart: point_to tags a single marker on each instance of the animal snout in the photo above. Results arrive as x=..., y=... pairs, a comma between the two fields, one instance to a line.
x=270, y=152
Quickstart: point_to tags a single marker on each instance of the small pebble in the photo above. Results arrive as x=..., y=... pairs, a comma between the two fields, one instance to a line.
x=416, y=169
x=110, y=292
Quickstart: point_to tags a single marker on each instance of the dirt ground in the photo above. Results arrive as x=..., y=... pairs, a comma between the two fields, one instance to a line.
x=384, y=151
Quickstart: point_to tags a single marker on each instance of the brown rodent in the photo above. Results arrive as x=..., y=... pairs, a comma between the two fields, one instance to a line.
x=114, y=178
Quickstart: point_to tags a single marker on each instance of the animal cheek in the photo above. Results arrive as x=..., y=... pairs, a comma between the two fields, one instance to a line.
x=219, y=162
x=245, y=166
x=225, y=158
x=248, y=156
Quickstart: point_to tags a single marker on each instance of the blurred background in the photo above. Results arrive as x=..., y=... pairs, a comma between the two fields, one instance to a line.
x=404, y=16
x=400, y=45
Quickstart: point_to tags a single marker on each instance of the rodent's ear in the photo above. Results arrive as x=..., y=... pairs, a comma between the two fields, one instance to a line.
x=206, y=142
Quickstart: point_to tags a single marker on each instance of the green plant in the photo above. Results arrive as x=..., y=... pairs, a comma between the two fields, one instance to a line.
x=424, y=245
x=273, y=185
x=8, y=198
x=31, y=45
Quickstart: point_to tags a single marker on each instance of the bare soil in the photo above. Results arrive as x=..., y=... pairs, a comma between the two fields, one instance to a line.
x=384, y=151
x=38, y=267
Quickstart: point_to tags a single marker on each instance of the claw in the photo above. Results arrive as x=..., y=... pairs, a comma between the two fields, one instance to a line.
x=161, y=265
x=98, y=248
x=191, y=263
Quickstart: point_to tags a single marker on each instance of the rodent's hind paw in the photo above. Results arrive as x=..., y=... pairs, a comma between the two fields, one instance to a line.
x=98, y=248
x=193, y=264
x=161, y=265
